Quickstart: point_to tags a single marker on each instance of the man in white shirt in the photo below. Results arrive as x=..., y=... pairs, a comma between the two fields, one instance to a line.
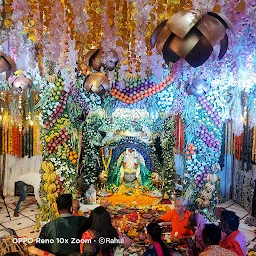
x=30, y=178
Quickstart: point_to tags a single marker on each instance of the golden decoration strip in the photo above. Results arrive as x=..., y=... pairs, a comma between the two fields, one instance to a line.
x=120, y=16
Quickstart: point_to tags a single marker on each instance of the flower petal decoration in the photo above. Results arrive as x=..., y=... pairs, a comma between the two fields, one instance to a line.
x=192, y=36
x=97, y=83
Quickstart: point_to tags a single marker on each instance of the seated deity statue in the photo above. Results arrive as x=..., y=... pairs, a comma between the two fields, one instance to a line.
x=130, y=173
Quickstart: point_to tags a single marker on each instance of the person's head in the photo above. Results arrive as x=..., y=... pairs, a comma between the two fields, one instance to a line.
x=90, y=249
x=180, y=205
x=211, y=234
x=154, y=231
x=75, y=205
x=64, y=203
x=100, y=221
x=192, y=221
x=229, y=222
x=155, y=235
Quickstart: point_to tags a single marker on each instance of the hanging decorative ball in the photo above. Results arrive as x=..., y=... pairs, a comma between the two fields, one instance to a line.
x=22, y=83
x=97, y=83
x=192, y=36
x=7, y=65
x=197, y=88
x=97, y=58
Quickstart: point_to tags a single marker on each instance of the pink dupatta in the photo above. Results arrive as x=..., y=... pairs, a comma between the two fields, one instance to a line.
x=158, y=248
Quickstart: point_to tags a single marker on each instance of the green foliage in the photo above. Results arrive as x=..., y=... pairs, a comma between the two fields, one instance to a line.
x=157, y=163
x=92, y=140
x=168, y=168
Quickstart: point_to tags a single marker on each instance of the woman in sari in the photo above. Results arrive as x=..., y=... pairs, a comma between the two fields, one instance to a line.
x=157, y=247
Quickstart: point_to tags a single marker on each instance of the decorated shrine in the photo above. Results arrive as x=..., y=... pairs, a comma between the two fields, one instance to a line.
x=137, y=101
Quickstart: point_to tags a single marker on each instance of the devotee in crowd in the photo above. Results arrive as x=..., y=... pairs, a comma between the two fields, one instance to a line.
x=76, y=208
x=211, y=238
x=235, y=239
x=179, y=217
x=30, y=178
x=66, y=227
x=90, y=250
x=196, y=223
x=101, y=227
x=157, y=246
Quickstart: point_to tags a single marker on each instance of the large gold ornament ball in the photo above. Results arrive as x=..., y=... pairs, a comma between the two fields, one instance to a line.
x=22, y=83
x=97, y=83
x=192, y=36
x=7, y=65
x=99, y=58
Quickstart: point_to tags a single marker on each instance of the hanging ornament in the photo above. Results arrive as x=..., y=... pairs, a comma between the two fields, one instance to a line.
x=97, y=58
x=21, y=83
x=7, y=65
x=97, y=83
x=197, y=88
x=191, y=36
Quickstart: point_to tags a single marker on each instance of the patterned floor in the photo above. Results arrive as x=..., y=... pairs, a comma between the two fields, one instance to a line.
x=24, y=225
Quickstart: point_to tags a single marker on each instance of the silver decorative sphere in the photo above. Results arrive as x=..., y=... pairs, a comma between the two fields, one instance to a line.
x=197, y=88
